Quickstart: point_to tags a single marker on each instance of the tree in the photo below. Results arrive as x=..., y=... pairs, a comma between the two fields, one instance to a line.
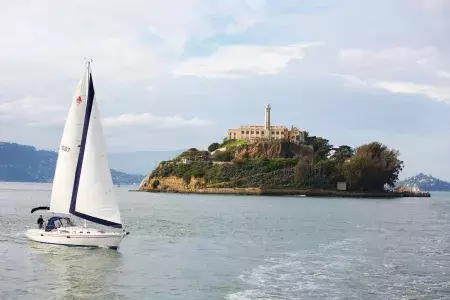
x=372, y=167
x=213, y=147
x=306, y=135
x=322, y=147
x=343, y=152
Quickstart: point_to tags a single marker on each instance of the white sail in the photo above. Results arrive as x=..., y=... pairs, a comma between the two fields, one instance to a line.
x=96, y=196
x=68, y=153
x=82, y=185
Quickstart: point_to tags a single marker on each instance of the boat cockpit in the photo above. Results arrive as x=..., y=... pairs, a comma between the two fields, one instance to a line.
x=57, y=222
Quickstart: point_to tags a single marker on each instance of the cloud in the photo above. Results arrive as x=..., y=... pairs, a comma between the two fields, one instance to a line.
x=31, y=111
x=444, y=74
x=416, y=67
x=139, y=45
x=154, y=123
x=246, y=16
x=239, y=60
x=435, y=6
x=389, y=61
x=362, y=65
x=432, y=92
x=352, y=81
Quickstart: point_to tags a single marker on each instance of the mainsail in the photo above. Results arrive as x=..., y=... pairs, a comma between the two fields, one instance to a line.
x=83, y=185
x=69, y=151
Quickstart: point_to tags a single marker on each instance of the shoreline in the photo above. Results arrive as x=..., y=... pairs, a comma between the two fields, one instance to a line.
x=292, y=192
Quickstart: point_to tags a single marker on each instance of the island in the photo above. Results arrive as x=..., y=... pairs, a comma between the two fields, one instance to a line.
x=276, y=160
x=425, y=183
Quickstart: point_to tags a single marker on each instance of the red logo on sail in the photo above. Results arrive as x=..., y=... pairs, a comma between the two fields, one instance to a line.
x=79, y=100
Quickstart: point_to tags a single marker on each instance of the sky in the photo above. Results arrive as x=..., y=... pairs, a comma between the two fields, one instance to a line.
x=176, y=74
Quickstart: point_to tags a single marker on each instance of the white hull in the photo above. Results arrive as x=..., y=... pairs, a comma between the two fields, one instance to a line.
x=77, y=236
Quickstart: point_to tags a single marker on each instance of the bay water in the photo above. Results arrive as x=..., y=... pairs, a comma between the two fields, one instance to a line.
x=235, y=247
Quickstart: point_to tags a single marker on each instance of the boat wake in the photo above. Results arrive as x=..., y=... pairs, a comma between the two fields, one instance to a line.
x=299, y=274
x=346, y=269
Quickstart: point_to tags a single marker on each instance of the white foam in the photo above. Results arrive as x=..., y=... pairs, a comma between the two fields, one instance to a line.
x=296, y=274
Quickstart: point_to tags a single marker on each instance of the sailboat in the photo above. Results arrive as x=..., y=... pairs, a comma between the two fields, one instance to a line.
x=82, y=185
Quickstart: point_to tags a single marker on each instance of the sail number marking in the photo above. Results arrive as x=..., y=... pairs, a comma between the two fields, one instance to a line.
x=65, y=148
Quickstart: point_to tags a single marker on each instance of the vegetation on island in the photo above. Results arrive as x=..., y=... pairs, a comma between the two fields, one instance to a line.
x=281, y=164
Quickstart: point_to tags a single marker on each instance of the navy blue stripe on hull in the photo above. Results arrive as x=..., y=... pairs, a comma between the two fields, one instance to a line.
x=84, y=246
x=76, y=183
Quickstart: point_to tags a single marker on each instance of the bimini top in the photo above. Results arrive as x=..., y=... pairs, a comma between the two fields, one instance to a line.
x=51, y=222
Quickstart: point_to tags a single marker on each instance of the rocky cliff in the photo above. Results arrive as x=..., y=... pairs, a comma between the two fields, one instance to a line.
x=173, y=184
x=273, y=149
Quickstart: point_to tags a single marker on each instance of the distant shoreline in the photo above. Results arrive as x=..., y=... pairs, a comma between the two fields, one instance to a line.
x=291, y=192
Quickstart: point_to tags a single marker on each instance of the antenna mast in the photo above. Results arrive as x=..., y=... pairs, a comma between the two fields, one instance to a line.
x=88, y=63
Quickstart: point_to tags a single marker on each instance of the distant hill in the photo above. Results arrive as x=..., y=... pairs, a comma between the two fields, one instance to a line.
x=23, y=163
x=426, y=183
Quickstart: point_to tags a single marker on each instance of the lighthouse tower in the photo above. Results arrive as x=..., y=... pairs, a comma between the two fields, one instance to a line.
x=268, y=121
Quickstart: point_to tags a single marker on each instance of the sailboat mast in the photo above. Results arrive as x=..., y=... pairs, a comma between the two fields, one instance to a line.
x=88, y=70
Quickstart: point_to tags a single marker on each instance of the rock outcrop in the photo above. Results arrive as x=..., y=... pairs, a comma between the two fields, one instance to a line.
x=173, y=184
x=273, y=149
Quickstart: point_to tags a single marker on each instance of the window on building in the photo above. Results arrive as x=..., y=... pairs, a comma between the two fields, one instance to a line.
x=246, y=132
x=278, y=132
x=242, y=132
x=273, y=132
x=252, y=132
x=257, y=132
x=262, y=132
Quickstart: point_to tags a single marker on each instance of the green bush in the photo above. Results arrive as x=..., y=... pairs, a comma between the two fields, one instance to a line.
x=193, y=155
x=166, y=171
x=212, y=174
x=213, y=147
x=155, y=183
x=198, y=169
x=187, y=178
x=222, y=156
x=180, y=169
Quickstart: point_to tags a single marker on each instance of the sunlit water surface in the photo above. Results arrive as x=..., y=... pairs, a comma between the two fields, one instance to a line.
x=231, y=247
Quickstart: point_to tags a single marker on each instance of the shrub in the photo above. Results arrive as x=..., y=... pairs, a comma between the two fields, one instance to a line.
x=166, y=171
x=187, y=178
x=155, y=183
x=212, y=174
x=198, y=169
x=181, y=169
x=213, y=147
x=222, y=156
